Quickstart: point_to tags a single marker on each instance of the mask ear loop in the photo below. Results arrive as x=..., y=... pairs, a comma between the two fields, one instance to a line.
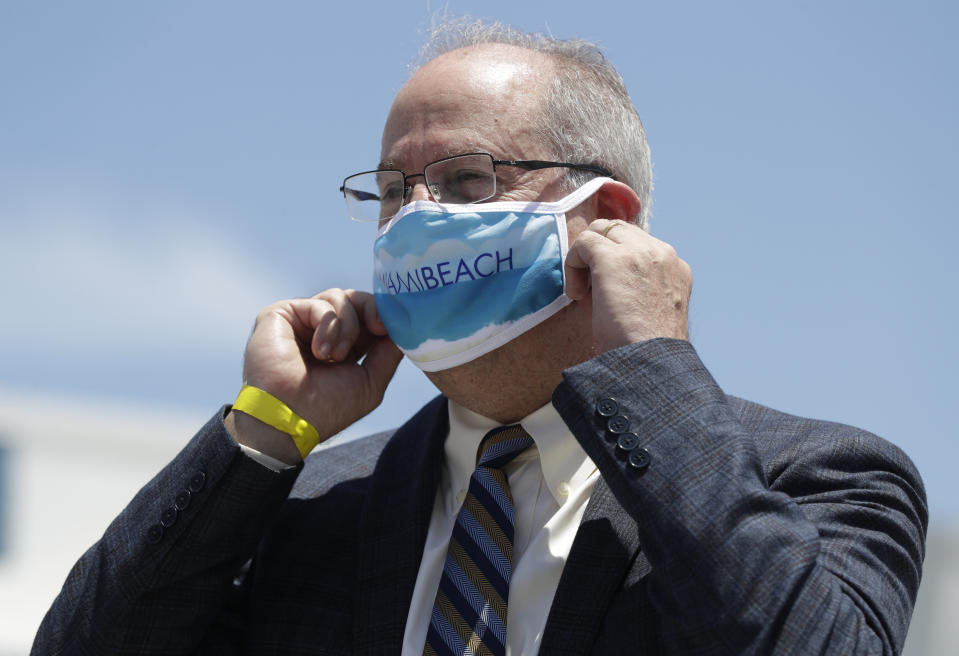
x=562, y=231
x=559, y=209
x=562, y=205
x=577, y=196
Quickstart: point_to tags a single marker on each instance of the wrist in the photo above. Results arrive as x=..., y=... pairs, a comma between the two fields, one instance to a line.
x=250, y=431
x=274, y=424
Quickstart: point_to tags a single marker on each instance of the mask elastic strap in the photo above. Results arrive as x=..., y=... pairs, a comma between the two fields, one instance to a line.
x=576, y=197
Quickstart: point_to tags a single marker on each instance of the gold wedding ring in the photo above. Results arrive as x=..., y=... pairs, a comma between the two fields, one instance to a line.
x=612, y=225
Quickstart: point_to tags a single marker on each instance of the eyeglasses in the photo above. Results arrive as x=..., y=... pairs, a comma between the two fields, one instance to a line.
x=470, y=178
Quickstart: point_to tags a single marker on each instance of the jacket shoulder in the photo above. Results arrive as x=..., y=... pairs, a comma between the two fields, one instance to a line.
x=786, y=441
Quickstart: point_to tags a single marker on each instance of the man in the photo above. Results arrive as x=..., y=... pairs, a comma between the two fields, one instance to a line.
x=646, y=512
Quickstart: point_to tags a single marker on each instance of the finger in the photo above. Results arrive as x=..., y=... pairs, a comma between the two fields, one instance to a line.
x=325, y=324
x=299, y=316
x=371, y=328
x=615, y=230
x=604, y=226
x=341, y=333
x=582, y=251
x=628, y=234
x=579, y=261
x=365, y=304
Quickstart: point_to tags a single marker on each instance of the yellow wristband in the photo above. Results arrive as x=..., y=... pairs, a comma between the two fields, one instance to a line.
x=272, y=411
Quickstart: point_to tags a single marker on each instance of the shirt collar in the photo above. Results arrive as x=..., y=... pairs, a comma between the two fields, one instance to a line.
x=564, y=464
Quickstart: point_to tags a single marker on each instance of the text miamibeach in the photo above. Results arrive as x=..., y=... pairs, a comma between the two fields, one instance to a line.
x=445, y=273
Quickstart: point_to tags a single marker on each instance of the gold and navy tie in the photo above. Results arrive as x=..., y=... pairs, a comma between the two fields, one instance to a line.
x=469, y=614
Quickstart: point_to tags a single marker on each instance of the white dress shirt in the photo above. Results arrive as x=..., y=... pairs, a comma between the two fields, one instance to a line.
x=550, y=483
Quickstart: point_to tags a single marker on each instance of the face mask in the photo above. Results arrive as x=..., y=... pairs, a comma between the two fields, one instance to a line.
x=454, y=282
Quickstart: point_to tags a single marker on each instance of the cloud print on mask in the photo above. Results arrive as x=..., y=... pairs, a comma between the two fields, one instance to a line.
x=455, y=282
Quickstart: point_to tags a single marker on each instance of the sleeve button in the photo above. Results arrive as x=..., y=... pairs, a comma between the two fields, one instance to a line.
x=607, y=407
x=197, y=482
x=155, y=534
x=628, y=441
x=182, y=500
x=639, y=459
x=168, y=518
x=618, y=424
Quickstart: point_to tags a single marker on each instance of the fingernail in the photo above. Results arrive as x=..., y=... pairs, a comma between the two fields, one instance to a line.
x=324, y=352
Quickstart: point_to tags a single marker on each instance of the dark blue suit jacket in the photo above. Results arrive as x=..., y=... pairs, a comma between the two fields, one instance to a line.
x=750, y=532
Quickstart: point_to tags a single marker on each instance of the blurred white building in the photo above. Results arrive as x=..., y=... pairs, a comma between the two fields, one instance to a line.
x=68, y=466
x=935, y=622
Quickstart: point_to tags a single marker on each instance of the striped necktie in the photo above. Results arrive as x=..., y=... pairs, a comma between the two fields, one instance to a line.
x=469, y=614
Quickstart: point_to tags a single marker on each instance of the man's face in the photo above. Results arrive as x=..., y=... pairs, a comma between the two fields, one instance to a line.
x=484, y=99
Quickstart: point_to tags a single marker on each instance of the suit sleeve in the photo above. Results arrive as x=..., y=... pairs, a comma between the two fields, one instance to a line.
x=814, y=545
x=161, y=575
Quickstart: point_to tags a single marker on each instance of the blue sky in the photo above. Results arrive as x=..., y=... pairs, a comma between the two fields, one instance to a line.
x=167, y=169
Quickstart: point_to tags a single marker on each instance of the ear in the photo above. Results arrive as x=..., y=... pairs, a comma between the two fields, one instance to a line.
x=617, y=201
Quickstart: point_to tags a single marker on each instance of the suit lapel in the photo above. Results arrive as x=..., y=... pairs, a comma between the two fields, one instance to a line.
x=393, y=529
x=604, y=551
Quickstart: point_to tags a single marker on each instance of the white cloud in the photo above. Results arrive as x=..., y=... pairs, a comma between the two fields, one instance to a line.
x=81, y=273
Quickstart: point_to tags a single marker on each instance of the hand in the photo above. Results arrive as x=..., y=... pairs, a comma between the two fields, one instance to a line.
x=306, y=352
x=637, y=286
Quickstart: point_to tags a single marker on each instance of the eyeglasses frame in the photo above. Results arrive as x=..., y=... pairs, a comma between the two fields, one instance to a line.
x=526, y=164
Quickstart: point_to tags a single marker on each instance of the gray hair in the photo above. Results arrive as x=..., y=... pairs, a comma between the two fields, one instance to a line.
x=588, y=116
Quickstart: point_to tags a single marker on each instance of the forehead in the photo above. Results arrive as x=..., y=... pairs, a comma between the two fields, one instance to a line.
x=482, y=98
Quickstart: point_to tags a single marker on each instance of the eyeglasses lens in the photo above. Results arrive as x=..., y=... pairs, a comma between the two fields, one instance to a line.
x=378, y=195
x=462, y=179
x=373, y=196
